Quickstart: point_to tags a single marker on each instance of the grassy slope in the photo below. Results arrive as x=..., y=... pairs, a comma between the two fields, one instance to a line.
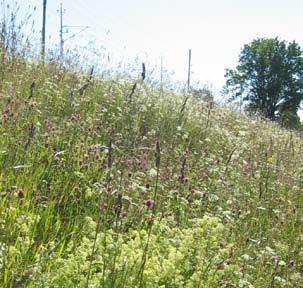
x=75, y=172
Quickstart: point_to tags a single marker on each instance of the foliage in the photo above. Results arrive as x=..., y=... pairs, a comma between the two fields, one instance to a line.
x=196, y=256
x=198, y=197
x=269, y=77
x=101, y=187
x=13, y=40
x=204, y=94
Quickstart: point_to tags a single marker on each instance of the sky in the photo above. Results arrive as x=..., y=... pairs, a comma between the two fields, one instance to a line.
x=214, y=30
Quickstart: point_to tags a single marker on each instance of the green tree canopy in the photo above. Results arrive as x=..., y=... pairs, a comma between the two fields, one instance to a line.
x=269, y=79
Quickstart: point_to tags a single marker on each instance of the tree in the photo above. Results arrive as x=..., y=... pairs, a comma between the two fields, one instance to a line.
x=205, y=94
x=269, y=79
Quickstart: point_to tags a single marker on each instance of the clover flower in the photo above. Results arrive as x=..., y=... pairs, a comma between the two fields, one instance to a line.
x=149, y=203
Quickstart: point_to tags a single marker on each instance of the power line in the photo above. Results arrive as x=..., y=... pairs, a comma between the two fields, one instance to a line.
x=79, y=32
x=62, y=40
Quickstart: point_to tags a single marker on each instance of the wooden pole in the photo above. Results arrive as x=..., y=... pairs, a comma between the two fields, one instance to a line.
x=161, y=76
x=61, y=32
x=43, y=31
x=189, y=66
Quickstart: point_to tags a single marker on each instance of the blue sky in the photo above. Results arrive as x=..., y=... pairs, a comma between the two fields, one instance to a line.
x=215, y=30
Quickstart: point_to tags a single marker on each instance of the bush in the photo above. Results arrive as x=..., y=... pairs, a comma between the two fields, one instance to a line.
x=196, y=256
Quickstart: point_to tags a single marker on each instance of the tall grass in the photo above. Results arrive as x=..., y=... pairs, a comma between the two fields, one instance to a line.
x=100, y=189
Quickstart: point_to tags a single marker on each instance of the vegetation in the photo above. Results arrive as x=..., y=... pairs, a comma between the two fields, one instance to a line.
x=269, y=77
x=105, y=182
x=104, y=189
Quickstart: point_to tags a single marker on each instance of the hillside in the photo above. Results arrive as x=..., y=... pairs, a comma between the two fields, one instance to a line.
x=101, y=188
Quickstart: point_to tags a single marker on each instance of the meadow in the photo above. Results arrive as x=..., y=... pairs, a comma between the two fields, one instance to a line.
x=107, y=184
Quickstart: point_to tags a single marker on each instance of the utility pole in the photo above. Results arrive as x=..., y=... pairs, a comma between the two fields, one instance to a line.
x=189, y=66
x=64, y=29
x=161, y=75
x=61, y=32
x=43, y=31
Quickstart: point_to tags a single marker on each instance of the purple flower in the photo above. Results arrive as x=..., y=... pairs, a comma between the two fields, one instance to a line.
x=149, y=203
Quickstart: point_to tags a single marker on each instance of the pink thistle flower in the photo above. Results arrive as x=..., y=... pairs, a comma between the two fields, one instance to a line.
x=149, y=203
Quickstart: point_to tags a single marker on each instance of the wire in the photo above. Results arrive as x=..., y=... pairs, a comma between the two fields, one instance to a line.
x=74, y=35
